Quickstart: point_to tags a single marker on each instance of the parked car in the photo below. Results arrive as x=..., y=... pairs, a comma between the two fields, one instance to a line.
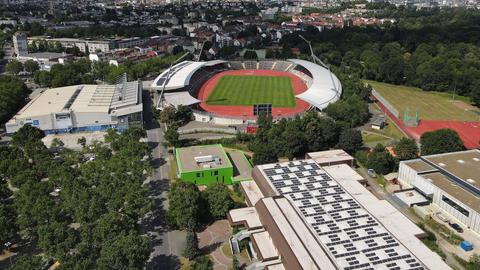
x=442, y=217
x=456, y=227
x=372, y=173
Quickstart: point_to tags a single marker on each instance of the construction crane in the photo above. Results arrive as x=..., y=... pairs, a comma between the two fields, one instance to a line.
x=317, y=60
x=167, y=78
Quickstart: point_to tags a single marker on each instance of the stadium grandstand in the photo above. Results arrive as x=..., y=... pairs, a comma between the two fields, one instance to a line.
x=190, y=83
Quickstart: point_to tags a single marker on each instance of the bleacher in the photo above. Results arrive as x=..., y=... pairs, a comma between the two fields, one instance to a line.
x=235, y=65
x=265, y=65
x=283, y=66
x=250, y=64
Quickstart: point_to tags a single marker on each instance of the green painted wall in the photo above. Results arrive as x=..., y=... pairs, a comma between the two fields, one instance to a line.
x=209, y=176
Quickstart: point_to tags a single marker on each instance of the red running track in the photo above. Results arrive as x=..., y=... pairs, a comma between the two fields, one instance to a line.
x=469, y=132
x=247, y=111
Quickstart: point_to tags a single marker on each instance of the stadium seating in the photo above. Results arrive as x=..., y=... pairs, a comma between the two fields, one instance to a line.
x=235, y=65
x=250, y=64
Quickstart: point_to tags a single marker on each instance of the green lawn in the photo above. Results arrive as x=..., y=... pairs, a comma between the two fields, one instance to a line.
x=249, y=90
x=431, y=105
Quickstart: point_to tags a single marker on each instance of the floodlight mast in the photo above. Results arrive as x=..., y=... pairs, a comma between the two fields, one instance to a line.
x=317, y=60
x=160, y=100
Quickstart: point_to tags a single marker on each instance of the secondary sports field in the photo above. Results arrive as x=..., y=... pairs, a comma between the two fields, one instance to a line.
x=431, y=105
x=234, y=90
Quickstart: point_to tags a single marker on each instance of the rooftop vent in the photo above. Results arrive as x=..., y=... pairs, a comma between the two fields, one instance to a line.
x=442, y=164
x=476, y=159
x=471, y=181
x=460, y=161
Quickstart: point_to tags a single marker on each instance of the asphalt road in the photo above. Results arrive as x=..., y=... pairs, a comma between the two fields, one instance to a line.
x=166, y=245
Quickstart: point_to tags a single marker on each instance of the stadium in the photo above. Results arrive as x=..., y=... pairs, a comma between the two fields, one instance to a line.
x=235, y=92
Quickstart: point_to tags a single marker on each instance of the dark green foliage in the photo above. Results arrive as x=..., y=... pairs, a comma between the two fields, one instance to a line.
x=31, y=66
x=352, y=111
x=184, y=202
x=381, y=160
x=14, y=67
x=406, y=149
x=83, y=215
x=13, y=95
x=129, y=251
x=219, y=200
x=350, y=140
x=293, y=138
x=191, y=246
x=8, y=227
x=171, y=135
x=235, y=263
x=28, y=263
x=180, y=115
x=26, y=135
x=202, y=263
x=431, y=49
x=440, y=141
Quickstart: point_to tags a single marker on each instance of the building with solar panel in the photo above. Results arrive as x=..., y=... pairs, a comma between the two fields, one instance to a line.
x=83, y=108
x=303, y=215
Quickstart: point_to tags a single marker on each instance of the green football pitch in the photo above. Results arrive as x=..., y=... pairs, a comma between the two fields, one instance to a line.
x=249, y=90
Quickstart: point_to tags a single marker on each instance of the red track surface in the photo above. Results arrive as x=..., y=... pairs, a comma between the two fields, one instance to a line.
x=469, y=132
x=247, y=111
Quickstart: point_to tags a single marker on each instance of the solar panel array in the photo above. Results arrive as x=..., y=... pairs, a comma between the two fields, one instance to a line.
x=350, y=234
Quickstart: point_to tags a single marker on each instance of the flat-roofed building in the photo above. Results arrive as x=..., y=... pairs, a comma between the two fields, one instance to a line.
x=83, y=108
x=451, y=181
x=204, y=164
x=323, y=217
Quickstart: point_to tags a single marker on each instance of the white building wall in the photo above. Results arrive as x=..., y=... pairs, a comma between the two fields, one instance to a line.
x=405, y=173
x=473, y=219
x=90, y=119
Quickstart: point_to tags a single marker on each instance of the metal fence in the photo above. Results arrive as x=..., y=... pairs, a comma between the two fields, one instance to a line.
x=386, y=104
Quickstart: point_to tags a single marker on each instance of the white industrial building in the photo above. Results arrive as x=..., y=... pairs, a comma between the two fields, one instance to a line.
x=83, y=108
x=451, y=181
x=303, y=215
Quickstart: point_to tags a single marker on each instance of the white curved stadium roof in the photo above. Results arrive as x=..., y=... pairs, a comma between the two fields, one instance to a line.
x=179, y=75
x=325, y=89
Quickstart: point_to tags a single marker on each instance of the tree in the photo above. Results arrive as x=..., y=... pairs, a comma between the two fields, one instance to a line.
x=28, y=263
x=82, y=141
x=26, y=135
x=406, y=149
x=202, y=263
x=235, y=263
x=14, y=67
x=184, y=200
x=440, y=141
x=57, y=144
x=219, y=200
x=380, y=160
x=8, y=227
x=124, y=252
x=191, y=246
x=475, y=261
x=13, y=95
x=168, y=114
x=295, y=143
x=353, y=111
x=31, y=66
x=171, y=135
x=350, y=140
x=183, y=114
x=264, y=153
